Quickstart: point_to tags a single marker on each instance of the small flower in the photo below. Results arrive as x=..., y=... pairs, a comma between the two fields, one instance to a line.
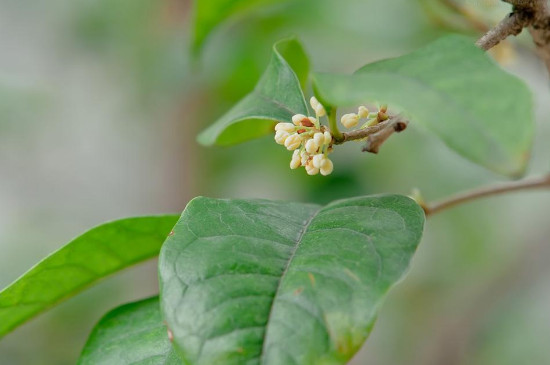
x=287, y=127
x=312, y=146
x=328, y=137
x=318, y=160
x=317, y=106
x=296, y=160
x=327, y=167
x=319, y=138
x=293, y=141
x=296, y=119
x=349, y=120
x=281, y=136
x=310, y=169
x=363, y=112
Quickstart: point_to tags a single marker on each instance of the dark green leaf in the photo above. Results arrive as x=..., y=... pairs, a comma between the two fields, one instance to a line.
x=131, y=334
x=262, y=282
x=95, y=254
x=453, y=89
x=276, y=98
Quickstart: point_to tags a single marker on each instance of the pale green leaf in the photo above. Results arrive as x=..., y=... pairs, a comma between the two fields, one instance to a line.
x=95, y=254
x=276, y=98
x=132, y=334
x=208, y=14
x=263, y=282
x=453, y=89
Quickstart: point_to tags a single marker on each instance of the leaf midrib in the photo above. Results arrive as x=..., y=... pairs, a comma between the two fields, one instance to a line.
x=285, y=271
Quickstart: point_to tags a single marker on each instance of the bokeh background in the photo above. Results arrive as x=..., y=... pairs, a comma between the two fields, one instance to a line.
x=100, y=104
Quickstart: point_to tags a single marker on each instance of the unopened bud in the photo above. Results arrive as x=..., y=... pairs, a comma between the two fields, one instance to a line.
x=287, y=127
x=328, y=137
x=327, y=167
x=296, y=119
x=318, y=160
x=311, y=146
x=296, y=160
x=319, y=138
x=311, y=170
x=281, y=136
x=293, y=141
x=349, y=120
x=363, y=112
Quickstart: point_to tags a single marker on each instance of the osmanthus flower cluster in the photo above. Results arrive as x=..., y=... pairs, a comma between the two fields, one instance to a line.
x=310, y=141
x=313, y=142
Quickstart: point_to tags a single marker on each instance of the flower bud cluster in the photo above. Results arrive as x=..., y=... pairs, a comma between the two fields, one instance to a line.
x=310, y=142
x=352, y=119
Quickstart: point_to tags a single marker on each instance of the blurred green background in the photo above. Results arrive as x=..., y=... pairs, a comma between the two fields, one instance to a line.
x=100, y=103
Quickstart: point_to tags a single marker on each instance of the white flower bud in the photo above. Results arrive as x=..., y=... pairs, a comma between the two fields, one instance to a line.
x=327, y=167
x=317, y=106
x=281, y=136
x=311, y=170
x=311, y=146
x=328, y=137
x=304, y=156
x=320, y=111
x=296, y=119
x=318, y=160
x=319, y=138
x=349, y=120
x=314, y=102
x=293, y=141
x=287, y=127
x=363, y=112
x=296, y=160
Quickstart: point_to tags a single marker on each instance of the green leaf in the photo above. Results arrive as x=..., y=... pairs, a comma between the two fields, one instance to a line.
x=262, y=282
x=208, y=14
x=276, y=98
x=453, y=89
x=83, y=261
x=131, y=334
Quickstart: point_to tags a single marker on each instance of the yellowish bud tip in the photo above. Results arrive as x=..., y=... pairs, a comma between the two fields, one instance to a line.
x=363, y=112
x=328, y=137
x=281, y=136
x=327, y=167
x=293, y=141
x=349, y=120
x=311, y=146
x=287, y=127
x=296, y=119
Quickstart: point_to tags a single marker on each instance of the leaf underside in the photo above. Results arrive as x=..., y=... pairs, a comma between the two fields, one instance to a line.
x=454, y=89
x=276, y=98
x=263, y=282
x=97, y=253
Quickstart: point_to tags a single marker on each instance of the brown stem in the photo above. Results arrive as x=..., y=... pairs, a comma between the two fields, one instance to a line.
x=526, y=184
x=394, y=122
x=532, y=14
x=374, y=141
x=511, y=25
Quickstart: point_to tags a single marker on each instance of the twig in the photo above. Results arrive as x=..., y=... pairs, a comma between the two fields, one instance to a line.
x=374, y=141
x=511, y=25
x=532, y=14
x=526, y=184
x=396, y=121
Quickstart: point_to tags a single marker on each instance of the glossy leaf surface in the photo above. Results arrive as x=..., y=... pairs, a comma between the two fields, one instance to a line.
x=130, y=334
x=97, y=253
x=263, y=282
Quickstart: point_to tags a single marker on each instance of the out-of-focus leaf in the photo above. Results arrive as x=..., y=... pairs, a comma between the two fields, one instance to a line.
x=97, y=253
x=263, y=282
x=130, y=334
x=208, y=14
x=453, y=89
x=276, y=97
